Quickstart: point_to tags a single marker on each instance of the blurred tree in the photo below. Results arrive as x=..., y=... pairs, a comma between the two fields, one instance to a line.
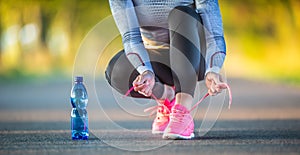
x=42, y=36
x=56, y=27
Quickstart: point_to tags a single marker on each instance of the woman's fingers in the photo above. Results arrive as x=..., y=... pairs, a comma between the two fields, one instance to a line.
x=217, y=88
x=148, y=91
x=214, y=83
x=143, y=89
x=221, y=86
x=212, y=87
x=138, y=88
x=138, y=83
x=212, y=93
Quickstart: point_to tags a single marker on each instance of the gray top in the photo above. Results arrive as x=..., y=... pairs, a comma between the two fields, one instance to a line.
x=143, y=24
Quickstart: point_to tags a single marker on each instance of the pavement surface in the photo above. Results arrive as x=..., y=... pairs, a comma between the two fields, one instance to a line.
x=35, y=119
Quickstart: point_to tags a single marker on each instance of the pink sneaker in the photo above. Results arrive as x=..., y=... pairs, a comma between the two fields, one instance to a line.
x=163, y=113
x=162, y=117
x=181, y=125
x=178, y=124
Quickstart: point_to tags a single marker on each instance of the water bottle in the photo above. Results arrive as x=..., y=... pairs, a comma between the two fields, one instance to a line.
x=79, y=116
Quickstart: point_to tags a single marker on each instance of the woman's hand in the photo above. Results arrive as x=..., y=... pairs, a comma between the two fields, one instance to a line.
x=214, y=83
x=144, y=83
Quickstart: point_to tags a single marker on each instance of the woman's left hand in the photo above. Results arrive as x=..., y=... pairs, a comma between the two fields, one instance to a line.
x=214, y=83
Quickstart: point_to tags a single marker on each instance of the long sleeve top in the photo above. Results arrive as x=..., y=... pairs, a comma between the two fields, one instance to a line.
x=143, y=24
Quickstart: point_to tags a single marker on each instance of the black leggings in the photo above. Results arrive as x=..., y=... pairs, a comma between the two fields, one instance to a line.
x=182, y=65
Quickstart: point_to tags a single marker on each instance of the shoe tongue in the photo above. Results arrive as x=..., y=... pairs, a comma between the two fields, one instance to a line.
x=181, y=108
x=169, y=104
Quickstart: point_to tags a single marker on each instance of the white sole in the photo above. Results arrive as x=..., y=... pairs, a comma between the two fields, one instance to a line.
x=155, y=132
x=177, y=136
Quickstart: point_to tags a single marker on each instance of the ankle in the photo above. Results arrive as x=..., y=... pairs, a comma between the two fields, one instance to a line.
x=167, y=92
x=184, y=99
x=170, y=92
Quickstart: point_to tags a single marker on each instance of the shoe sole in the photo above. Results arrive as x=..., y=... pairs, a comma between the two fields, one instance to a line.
x=155, y=132
x=177, y=136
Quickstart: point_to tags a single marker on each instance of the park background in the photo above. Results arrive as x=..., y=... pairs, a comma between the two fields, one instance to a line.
x=40, y=38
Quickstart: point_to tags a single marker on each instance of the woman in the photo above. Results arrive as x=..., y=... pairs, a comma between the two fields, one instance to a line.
x=168, y=47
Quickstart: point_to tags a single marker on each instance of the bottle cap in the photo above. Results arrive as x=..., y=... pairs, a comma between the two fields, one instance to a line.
x=78, y=79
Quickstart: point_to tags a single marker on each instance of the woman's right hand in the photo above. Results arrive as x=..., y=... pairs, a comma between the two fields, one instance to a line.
x=144, y=83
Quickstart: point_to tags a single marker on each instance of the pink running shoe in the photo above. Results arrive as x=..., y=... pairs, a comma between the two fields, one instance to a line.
x=162, y=116
x=178, y=124
x=181, y=125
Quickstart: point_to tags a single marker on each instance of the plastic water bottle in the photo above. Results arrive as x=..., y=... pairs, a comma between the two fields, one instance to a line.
x=79, y=116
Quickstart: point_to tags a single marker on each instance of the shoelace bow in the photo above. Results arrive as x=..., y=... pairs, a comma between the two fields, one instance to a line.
x=166, y=108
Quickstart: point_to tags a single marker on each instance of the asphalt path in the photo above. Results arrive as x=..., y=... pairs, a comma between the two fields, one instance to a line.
x=35, y=119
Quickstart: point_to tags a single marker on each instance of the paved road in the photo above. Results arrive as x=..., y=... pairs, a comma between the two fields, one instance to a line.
x=227, y=137
x=264, y=119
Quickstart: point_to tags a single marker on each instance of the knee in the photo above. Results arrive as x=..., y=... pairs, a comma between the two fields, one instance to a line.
x=175, y=11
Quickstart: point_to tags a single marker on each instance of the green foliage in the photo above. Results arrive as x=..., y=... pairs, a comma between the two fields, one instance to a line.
x=262, y=36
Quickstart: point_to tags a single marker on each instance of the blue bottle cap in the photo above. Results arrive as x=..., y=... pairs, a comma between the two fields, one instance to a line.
x=78, y=79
